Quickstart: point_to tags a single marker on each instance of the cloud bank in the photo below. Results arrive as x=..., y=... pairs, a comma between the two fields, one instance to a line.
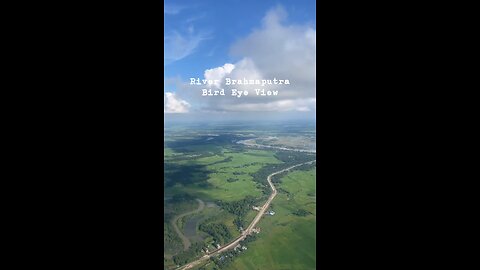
x=173, y=104
x=275, y=50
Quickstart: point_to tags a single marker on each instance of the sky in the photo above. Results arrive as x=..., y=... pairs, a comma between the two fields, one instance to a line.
x=253, y=40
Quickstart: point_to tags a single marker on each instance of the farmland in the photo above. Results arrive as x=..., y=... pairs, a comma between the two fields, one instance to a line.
x=289, y=241
x=207, y=165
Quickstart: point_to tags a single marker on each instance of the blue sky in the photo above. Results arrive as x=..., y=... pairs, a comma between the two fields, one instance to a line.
x=202, y=35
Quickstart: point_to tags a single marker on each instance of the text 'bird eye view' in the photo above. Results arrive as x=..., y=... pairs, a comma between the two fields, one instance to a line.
x=240, y=135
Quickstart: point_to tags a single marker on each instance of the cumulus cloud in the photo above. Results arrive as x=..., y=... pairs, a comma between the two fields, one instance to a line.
x=279, y=50
x=217, y=74
x=275, y=50
x=173, y=104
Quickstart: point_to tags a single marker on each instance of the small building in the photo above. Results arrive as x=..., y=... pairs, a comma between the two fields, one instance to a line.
x=256, y=208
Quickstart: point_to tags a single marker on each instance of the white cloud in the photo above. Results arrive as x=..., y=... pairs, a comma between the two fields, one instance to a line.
x=173, y=104
x=275, y=50
x=278, y=50
x=246, y=68
x=218, y=73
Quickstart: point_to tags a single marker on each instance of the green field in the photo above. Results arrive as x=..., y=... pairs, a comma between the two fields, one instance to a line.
x=286, y=241
x=237, y=168
x=230, y=178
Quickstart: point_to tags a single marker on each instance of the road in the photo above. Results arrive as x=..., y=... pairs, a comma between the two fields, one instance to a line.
x=249, y=229
x=185, y=241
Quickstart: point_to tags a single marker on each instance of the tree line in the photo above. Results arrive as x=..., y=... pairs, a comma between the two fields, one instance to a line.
x=218, y=231
x=239, y=209
x=186, y=256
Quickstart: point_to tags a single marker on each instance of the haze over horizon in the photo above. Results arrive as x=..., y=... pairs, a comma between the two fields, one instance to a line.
x=241, y=117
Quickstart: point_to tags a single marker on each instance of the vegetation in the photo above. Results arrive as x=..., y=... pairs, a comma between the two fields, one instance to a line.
x=206, y=163
x=238, y=208
x=177, y=198
x=301, y=212
x=276, y=179
x=286, y=241
x=218, y=231
x=282, y=190
x=294, y=157
x=171, y=241
x=184, y=174
x=249, y=238
x=306, y=167
x=289, y=159
x=224, y=259
x=186, y=256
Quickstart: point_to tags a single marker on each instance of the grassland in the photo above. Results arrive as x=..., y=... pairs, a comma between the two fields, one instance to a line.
x=216, y=170
x=227, y=175
x=287, y=241
x=210, y=174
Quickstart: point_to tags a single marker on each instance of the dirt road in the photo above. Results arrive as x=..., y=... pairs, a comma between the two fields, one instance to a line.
x=248, y=231
x=185, y=241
